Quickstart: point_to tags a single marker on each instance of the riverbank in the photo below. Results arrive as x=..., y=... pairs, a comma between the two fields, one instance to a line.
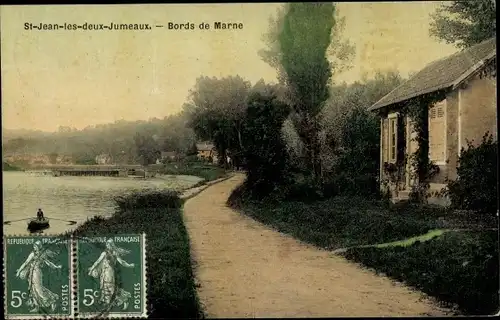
x=198, y=169
x=458, y=268
x=171, y=286
x=8, y=167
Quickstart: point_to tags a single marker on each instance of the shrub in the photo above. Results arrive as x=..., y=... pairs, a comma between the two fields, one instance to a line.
x=8, y=167
x=457, y=268
x=307, y=190
x=357, y=169
x=264, y=148
x=476, y=185
x=154, y=199
x=338, y=222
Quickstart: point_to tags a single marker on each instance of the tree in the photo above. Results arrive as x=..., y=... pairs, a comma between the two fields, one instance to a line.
x=216, y=112
x=344, y=99
x=53, y=157
x=464, y=22
x=304, y=41
x=264, y=150
x=192, y=150
x=345, y=117
x=147, y=149
x=340, y=51
x=176, y=136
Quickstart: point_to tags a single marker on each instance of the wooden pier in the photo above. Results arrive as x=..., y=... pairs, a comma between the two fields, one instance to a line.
x=91, y=172
x=101, y=170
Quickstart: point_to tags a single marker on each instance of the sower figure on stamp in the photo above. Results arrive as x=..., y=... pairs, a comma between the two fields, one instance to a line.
x=104, y=269
x=38, y=295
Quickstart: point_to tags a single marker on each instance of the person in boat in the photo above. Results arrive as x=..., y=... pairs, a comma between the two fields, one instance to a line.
x=39, y=214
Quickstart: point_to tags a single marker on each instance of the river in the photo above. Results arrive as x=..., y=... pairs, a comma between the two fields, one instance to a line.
x=71, y=198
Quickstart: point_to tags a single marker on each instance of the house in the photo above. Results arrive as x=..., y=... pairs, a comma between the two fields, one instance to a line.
x=467, y=81
x=103, y=159
x=206, y=151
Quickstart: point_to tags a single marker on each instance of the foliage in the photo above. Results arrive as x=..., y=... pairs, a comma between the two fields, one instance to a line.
x=340, y=52
x=360, y=94
x=84, y=159
x=338, y=222
x=147, y=149
x=303, y=41
x=176, y=136
x=53, y=157
x=171, y=285
x=360, y=158
x=216, y=111
x=115, y=139
x=8, y=167
x=350, y=140
x=165, y=199
x=192, y=150
x=197, y=169
x=476, y=186
x=263, y=146
x=464, y=22
x=423, y=169
x=457, y=268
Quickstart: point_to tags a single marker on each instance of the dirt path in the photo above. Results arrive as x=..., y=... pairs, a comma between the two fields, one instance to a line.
x=246, y=269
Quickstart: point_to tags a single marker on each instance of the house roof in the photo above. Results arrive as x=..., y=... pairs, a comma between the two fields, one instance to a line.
x=441, y=74
x=204, y=146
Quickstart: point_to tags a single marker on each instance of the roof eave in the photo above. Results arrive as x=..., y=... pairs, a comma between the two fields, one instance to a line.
x=473, y=69
x=385, y=105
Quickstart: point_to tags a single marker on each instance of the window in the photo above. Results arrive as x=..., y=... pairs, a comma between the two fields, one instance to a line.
x=392, y=145
x=437, y=132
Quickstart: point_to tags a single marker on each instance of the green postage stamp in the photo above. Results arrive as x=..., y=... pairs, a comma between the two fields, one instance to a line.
x=51, y=277
x=38, y=277
x=111, y=276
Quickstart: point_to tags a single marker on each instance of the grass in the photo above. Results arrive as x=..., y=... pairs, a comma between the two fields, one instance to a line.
x=342, y=222
x=408, y=243
x=199, y=169
x=459, y=268
x=171, y=286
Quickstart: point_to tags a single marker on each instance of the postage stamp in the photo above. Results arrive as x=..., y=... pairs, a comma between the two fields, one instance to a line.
x=38, y=277
x=111, y=276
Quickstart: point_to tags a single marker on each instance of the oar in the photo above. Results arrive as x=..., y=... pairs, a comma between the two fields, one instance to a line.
x=69, y=221
x=8, y=222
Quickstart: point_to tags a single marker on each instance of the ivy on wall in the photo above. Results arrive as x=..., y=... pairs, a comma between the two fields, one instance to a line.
x=422, y=169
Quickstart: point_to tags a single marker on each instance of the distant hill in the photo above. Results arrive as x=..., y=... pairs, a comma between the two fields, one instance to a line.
x=8, y=134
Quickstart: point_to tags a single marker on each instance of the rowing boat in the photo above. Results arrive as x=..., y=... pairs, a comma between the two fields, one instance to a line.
x=36, y=224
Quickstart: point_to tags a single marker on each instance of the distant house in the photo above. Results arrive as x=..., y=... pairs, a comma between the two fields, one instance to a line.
x=39, y=159
x=103, y=159
x=467, y=112
x=206, y=151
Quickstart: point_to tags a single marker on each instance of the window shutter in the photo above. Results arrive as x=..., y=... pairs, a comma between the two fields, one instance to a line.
x=385, y=139
x=437, y=132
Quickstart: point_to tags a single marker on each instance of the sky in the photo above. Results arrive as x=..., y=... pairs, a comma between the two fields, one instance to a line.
x=53, y=78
